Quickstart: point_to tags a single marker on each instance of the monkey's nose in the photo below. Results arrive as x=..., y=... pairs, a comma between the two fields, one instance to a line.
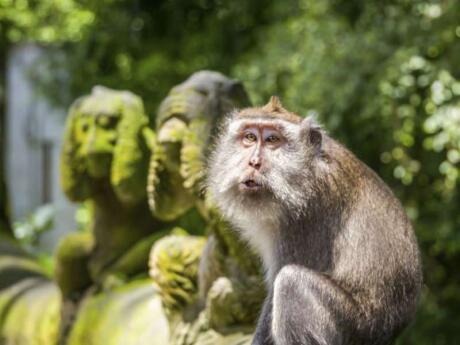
x=255, y=163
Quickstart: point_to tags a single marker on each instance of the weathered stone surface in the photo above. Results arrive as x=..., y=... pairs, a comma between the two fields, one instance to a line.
x=72, y=255
x=212, y=294
x=135, y=260
x=105, y=161
x=207, y=290
x=14, y=269
x=29, y=313
x=230, y=290
x=185, y=121
x=174, y=262
x=15, y=264
x=29, y=302
x=128, y=315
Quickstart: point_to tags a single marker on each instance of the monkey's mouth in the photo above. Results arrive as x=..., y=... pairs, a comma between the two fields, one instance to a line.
x=250, y=185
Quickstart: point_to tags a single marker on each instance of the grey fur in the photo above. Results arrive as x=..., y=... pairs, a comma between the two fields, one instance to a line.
x=342, y=261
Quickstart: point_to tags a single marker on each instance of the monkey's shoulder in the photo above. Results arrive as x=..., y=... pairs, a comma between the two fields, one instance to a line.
x=345, y=165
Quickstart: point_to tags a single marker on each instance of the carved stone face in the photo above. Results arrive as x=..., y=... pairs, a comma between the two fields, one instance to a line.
x=104, y=140
x=97, y=134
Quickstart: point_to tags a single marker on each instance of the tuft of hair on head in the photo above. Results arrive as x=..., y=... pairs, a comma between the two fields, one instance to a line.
x=274, y=105
x=273, y=109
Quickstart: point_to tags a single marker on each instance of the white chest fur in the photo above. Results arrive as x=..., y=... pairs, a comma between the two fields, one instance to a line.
x=260, y=233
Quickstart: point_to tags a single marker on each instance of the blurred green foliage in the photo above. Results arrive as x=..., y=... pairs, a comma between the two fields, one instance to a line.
x=29, y=231
x=382, y=76
x=44, y=21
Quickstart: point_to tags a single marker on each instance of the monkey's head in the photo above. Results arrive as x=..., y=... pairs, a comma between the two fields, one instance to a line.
x=263, y=160
x=103, y=142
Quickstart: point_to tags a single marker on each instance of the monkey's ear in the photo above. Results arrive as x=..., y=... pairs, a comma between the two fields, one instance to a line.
x=312, y=133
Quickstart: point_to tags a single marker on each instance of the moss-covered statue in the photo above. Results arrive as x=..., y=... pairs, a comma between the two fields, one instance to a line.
x=105, y=162
x=29, y=300
x=184, y=123
x=212, y=291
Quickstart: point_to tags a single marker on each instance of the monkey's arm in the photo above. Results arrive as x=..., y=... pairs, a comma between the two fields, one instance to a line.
x=310, y=309
x=263, y=335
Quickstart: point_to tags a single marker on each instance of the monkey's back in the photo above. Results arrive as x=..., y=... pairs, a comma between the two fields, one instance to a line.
x=376, y=256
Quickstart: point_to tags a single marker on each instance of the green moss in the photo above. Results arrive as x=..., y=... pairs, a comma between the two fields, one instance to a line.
x=135, y=261
x=186, y=120
x=29, y=313
x=235, y=336
x=199, y=332
x=72, y=255
x=168, y=198
x=230, y=281
x=131, y=314
x=234, y=247
x=174, y=263
x=16, y=264
x=130, y=163
x=193, y=153
x=193, y=221
x=103, y=139
x=75, y=245
x=105, y=162
x=15, y=268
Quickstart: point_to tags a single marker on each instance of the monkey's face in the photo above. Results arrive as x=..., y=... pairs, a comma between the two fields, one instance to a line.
x=258, y=144
x=259, y=163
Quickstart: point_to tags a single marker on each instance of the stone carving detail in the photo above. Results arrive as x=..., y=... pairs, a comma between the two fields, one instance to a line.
x=213, y=291
x=105, y=162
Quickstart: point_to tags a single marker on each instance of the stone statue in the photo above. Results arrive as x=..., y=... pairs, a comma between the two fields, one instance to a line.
x=105, y=162
x=210, y=288
x=211, y=291
x=184, y=124
x=29, y=300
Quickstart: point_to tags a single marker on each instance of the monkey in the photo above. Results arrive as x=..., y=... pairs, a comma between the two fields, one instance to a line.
x=342, y=264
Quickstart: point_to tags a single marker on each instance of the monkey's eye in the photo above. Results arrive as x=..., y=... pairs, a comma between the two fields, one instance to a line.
x=272, y=139
x=250, y=137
